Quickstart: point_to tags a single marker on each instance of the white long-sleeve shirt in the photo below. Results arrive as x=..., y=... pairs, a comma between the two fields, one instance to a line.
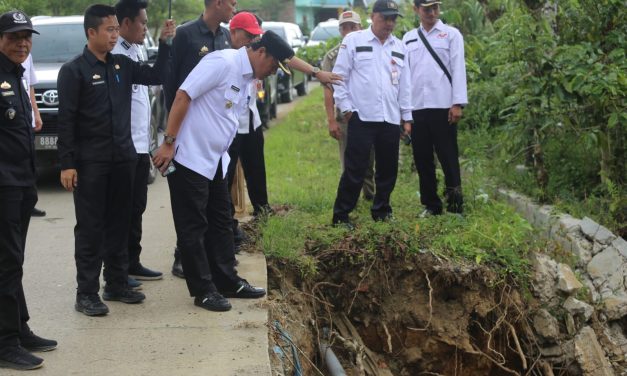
x=429, y=85
x=244, y=120
x=219, y=87
x=376, y=78
x=30, y=78
x=140, y=101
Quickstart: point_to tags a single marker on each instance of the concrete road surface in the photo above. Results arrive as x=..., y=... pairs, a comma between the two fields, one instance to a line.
x=165, y=335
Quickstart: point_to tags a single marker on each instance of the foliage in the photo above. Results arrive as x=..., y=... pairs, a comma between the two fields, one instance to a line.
x=550, y=85
x=314, y=54
x=182, y=10
x=303, y=171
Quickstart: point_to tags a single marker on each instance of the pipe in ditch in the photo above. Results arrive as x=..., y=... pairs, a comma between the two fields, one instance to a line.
x=330, y=360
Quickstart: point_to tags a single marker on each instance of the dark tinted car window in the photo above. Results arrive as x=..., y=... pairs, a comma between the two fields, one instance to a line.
x=58, y=43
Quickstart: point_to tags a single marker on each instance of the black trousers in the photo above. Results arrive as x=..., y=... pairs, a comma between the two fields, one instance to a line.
x=16, y=204
x=140, y=198
x=432, y=132
x=202, y=218
x=249, y=149
x=361, y=137
x=102, y=202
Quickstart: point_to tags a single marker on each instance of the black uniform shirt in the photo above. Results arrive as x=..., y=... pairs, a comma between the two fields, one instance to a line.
x=95, y=105
x=17, y=151
x=192, y=42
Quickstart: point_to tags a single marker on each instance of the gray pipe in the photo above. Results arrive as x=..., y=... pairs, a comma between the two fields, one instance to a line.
x=331, y=361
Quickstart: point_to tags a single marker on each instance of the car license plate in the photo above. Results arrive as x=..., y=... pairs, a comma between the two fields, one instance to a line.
x=46, y=142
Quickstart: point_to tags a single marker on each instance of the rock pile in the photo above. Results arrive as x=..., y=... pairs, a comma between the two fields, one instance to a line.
x=584, y=316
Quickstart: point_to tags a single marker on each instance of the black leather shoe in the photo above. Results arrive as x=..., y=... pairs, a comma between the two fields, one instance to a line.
x=38, y=213
x=17, y=357
x=133, y=284
x=239, y=237
x=33, y=342
x=91, y=305
x=213, y=301
x=126, y=295
x=243, y=290
x=142, y=273
x=177, y=269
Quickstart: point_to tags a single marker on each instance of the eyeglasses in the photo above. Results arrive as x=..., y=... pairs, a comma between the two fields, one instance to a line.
x=432, y=9
x=16, y=37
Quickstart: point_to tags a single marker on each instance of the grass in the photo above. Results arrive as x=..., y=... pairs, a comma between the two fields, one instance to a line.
x=303, y=173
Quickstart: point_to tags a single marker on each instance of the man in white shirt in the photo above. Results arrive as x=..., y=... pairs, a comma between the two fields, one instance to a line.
x=374, y=98
x=133, y=20
x=202, y=124
x=438, y=96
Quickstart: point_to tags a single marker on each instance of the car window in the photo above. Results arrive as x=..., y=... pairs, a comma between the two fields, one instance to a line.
x=58, y=43
x=322, y=33
x=277, y=29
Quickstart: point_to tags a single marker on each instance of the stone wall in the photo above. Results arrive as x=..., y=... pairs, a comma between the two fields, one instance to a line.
x=584, y=314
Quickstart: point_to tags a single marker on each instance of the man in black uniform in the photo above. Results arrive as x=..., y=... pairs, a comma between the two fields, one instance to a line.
x=98, y=156
x=193, y=41
x=17, y=194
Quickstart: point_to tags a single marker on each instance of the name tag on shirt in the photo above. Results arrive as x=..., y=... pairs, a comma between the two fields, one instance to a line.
x=97, y=83
x=363, y=49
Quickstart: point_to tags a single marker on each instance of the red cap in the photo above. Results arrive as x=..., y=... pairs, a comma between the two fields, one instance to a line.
x=246, y=21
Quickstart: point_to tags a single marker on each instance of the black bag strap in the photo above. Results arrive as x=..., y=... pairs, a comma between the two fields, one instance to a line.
x=435, y=56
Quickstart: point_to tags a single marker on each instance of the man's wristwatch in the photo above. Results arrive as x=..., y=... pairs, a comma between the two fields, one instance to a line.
x=167, y=139
x=315, y=72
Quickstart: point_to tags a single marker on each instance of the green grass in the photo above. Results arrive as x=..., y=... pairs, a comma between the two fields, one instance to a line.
x=303, y=172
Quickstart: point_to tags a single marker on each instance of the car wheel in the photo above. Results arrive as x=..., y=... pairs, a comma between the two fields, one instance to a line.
x=287, y=96
x=301, y=89
x=154, y=143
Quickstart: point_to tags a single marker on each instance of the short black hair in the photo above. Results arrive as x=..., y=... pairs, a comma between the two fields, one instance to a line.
x=94, y=15
x=129, y=9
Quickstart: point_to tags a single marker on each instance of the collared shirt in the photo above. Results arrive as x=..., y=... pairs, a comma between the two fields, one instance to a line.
x=244, y=119
x=17, y=150
x=430, y=86
x=327, y=64
x=95, y=106
x=140, y=103
x=376, y=79
x=192, y=42
x=219, y=87
x=31, y=78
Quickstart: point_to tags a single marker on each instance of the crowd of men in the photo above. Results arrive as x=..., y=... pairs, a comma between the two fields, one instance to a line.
x=380, y=89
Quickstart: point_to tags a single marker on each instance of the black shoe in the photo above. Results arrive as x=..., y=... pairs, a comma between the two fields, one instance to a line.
x=127, y=296
x=17, y=357
x=343, y=222
x=429, y=213
x=133, y=284
x=243, y=290
x=91, y=305
x=33, y=342
x=38, y=213
x=177, y=269
x=213, y=301
x=142, y=273
x=239, y=237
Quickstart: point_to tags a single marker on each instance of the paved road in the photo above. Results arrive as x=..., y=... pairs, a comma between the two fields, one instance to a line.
x=166, y=335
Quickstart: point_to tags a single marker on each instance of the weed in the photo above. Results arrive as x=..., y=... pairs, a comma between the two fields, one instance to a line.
x=304, y=170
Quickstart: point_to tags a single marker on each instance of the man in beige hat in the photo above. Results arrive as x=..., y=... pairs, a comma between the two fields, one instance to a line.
x=349, y=22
